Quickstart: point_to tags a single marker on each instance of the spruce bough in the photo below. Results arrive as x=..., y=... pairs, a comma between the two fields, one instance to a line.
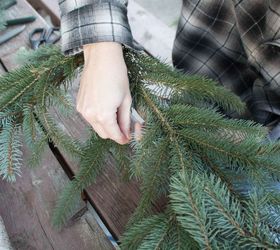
x=219, y=175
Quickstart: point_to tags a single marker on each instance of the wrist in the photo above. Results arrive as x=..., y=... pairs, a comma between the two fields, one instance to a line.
x=102, y=51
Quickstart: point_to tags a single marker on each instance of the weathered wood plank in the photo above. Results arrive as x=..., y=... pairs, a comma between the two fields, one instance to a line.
x=114, y=199
x=21, y=9
x=26, y=207
x=2, y=70
x=50, y=7
x=5, y=243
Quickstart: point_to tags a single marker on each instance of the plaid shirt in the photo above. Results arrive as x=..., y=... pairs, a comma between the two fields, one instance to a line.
x=236, y=42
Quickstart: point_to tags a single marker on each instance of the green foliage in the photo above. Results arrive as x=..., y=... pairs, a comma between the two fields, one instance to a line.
x=160, y=231
x=94, y=156
x=188, y=204
x=10, y=148
x=121, y=154
x=215, y=172
x=246, y=225
x=194, y=88
x=27, y=93
x=133, y=238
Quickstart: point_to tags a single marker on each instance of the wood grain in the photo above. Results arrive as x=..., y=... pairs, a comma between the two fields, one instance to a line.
x=26, y=206
x=113, y=199
x=2, y=70
x=21, y=9
x=50, y=7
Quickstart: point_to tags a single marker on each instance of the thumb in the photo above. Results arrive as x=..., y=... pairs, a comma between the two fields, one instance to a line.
x=124, y=117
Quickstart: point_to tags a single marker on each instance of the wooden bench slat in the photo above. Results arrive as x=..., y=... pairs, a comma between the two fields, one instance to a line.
x=50, y=7
x=2, y=70
x=114, y=200
x=21, y=9
x=26, y=206
x=104, y=195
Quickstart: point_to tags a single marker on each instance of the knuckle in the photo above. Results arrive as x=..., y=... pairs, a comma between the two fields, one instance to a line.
x=78, y=108
x=87, y=113
x=103, y=136
x=102, y=118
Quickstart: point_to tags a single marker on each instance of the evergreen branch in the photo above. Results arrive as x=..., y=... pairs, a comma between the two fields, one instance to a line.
x=196, y=87
x=21, y=88
x=186, y=201
x=257, y=219
x=11, y=151
x=225, y=210
x=225, y=178
x=142, y=149
x=211, y=120
x=178, y=238
x=155, y=178
x=31, y=130
x=165, y=124
x=59, y=138
x=121, y=155
x=62, y=102
x=244, y=154
x=37, y=150
x=156, y=237
x=91, y=165
x=133, y=237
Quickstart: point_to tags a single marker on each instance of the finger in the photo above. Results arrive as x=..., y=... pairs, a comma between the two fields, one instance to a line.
x=88, y=117
x=124, y=117
x=113, y=130
x=99, y=130
x=138, y=131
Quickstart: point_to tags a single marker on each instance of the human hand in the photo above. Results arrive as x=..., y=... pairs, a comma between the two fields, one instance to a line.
x=104, y=97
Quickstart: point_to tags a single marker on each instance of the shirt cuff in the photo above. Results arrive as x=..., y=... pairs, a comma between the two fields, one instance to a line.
x=97, y=22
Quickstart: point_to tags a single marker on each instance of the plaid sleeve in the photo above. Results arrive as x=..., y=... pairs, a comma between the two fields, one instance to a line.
x=91, y=21
x=259, y=25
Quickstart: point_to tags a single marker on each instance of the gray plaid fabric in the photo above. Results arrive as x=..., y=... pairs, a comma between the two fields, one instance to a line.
x=90, y=21
x=236, y=42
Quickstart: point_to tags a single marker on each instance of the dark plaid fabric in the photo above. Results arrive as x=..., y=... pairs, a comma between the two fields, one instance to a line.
x=236, y=42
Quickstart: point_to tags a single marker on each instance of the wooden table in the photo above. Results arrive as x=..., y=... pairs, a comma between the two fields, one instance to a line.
x=26, y=206
x=114, y=200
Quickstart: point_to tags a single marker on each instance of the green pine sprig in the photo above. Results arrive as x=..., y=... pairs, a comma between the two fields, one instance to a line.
x=190, y=153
